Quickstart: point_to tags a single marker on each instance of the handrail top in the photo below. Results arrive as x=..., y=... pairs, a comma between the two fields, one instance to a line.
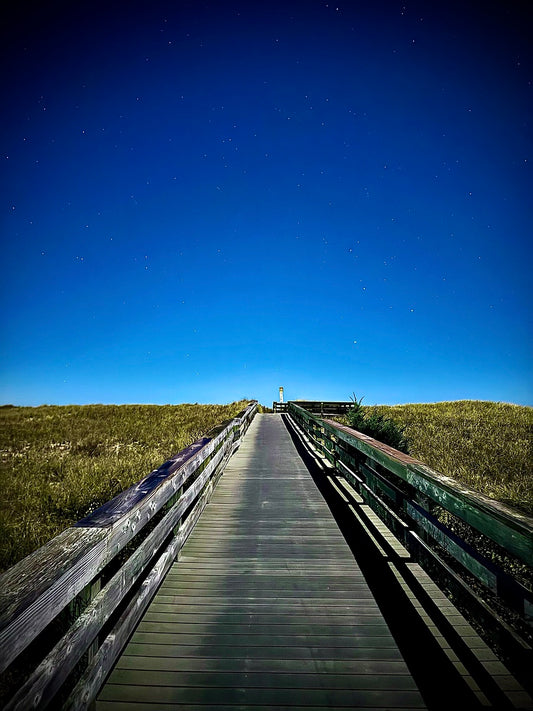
x=325, y=402
x=25, y=581
x=121, y=505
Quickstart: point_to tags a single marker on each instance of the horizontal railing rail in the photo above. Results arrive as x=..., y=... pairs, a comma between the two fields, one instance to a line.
x=67, y=609
x=322, y=407
x=417, y=502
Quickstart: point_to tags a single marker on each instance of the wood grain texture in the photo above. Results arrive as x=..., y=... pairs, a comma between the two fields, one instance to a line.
x=373, y=468
x=265, y=606
x=86, y=689
x=36, y=590
x=115, y=509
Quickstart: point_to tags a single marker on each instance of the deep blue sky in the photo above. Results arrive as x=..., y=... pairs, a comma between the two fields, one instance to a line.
x=204, y=201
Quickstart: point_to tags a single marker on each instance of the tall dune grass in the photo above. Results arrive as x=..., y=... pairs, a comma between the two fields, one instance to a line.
x=486, y=445
x=59, y=463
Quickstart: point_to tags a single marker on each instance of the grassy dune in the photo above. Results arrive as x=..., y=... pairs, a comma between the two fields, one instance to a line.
x=486, y=445
x=57, y=464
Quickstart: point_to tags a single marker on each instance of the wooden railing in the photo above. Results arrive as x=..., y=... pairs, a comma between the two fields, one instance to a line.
x=67, y=609
x=421, y=507
x=320, y=407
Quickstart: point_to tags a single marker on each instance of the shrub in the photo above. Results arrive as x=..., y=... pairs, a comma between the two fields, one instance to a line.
x=377, y=426
x=486, y=445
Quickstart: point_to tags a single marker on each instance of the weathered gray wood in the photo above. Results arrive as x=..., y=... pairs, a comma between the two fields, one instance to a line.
x=262, y=679
x=118, y=507
x=37, y=588
x=103, y=661
x=238, y=696
x=320, y=407
x=88, y=686
x=287, y=666
x=41, y=585
x=361, y=628
x=262, y=583
x=34, y=591
x=125, y=528
x=279, y=616
x=245, y=652
x=141, y=512
x=483, y=571
x=264, y=576
x=55, y=668
x=414, y=511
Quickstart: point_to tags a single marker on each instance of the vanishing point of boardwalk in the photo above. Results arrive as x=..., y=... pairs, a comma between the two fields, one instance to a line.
x=266, y=606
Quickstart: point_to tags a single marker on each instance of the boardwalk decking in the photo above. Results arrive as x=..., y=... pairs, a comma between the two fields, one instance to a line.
x=266, y=607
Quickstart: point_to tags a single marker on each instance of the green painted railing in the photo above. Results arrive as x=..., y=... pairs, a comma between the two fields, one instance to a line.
x=417, y=504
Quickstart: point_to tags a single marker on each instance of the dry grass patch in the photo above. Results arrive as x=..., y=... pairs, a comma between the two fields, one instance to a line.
x=486, y=445
x=59, y=463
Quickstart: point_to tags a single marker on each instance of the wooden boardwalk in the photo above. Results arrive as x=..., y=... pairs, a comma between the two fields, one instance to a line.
x=266, y=607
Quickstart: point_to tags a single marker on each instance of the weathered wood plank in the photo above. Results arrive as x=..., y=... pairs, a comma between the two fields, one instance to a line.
x=365, y=615
x=46, y=680
x=58, y=571
x=382, y=639
x=483, y=570
x=328, y=679
x=273, y=697
x=292, y=567
x=264, y=595
x=37, y=588
x=265, y=576
x=260, y=571
x=302, y=587
x=195, y=651
x=119, y=506
x=285, y=666
x=122, y=530
x=362, y=627
x=89, y=684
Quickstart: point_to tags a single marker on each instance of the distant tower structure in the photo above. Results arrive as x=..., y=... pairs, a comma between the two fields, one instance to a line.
x=281, y=394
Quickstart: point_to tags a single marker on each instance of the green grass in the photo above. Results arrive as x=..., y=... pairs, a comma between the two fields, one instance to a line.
x=486, y=445
x=59, y=463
